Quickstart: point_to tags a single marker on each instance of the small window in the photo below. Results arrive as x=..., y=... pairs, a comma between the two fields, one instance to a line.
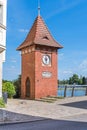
x=45, y=37
x=1, y=13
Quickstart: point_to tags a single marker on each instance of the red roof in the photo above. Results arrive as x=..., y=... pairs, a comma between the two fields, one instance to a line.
x=39, y=35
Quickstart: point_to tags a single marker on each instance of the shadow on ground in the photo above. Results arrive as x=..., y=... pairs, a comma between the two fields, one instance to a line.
x=81, y=104
x=7, y=116
x=48, y=124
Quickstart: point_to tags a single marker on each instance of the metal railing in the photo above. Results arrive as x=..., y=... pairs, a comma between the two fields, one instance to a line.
x=72, y=88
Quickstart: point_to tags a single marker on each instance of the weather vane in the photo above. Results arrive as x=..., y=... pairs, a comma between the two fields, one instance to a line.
x=39, y=7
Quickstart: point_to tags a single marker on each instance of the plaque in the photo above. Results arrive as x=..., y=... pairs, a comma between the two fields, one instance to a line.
x=46, y=74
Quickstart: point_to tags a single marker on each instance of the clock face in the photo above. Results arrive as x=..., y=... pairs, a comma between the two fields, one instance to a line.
x=46, y=59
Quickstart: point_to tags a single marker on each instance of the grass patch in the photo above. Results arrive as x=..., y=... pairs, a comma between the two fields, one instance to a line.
x=59, y=97
x=2, y=104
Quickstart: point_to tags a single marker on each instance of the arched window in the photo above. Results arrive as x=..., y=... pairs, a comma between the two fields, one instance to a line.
x=28, y=87
x=1, y=13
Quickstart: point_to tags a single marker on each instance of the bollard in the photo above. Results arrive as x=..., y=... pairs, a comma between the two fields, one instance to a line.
x=5, y=96
x=65, y=91
x=72, y=92
x=86, y=92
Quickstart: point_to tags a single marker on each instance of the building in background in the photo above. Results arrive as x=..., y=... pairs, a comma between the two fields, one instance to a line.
x=3, y=6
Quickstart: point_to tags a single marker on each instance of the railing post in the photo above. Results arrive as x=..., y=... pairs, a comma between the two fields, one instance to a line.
x=86, y=91
x=65, y=91
x=72, y=91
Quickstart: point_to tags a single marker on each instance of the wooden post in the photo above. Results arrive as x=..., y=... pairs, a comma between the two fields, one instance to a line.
x=86, y=92
x=72, y=91
x=65, y=91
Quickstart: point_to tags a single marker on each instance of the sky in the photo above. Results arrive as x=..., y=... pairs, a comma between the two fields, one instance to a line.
x=67, y=22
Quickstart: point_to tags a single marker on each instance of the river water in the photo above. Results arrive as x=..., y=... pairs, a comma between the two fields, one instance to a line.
x=77, y=92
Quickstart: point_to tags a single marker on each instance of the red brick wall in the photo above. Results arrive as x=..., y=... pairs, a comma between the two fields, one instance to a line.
x=45, y=86
x=28, y=70
x=32, y=67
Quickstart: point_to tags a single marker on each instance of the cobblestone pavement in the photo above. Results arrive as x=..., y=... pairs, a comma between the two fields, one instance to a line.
x=18, y=110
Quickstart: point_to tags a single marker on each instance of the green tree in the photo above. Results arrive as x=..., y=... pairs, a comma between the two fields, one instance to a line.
x=4, y=81
x=83, y=80
x=17, y=84
x=9, y=88
x=74, y=79
x=61, y=82
x=70, y=80
x=80, y=80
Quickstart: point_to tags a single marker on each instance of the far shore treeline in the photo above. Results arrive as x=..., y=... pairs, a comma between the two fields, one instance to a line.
x=74, y=79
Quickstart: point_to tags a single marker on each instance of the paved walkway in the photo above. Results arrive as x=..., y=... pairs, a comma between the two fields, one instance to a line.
x=18, y=110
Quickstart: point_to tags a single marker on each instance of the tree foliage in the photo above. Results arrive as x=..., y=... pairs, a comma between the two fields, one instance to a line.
x=74, y=79
x=9, y=88
x=84, y=80
x=17, y=84
x=2, y=104
x=4, y=81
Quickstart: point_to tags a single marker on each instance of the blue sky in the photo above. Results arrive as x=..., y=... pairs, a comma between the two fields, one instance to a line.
x=67, y=22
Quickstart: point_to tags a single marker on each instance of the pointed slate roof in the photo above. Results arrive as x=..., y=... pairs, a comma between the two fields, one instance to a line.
x=39, y=35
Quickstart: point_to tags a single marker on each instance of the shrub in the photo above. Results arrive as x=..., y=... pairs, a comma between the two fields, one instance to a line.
x=2, y=104
x=9, y=88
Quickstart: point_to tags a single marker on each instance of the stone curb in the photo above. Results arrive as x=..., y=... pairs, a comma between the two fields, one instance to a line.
x=25, y=121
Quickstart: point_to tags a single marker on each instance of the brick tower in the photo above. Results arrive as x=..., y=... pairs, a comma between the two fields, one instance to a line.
x=39, y=62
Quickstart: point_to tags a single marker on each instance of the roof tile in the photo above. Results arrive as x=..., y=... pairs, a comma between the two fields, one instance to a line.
x=39, y=35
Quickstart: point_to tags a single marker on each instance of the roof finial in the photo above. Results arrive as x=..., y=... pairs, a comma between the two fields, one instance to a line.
x=38, y=7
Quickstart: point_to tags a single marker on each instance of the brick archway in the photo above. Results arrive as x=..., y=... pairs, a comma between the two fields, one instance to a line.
x=27, y=87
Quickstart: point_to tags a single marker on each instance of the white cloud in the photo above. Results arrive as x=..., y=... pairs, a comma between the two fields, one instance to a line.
x=13, y=60
x=67, y=72
x=83, y=65
x=60, y=56
x=64, y=74
x=23, y=30
x=11, y=73
x=12, y=67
